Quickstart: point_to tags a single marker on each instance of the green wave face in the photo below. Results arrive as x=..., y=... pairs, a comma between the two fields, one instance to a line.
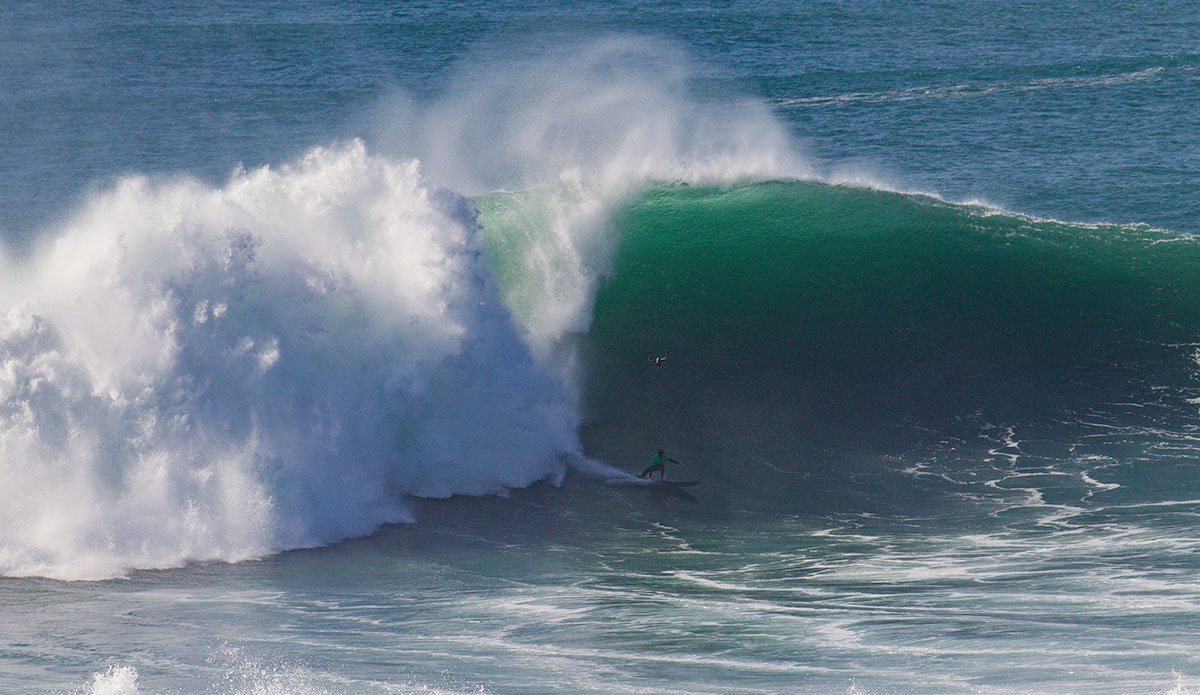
x=773, y=320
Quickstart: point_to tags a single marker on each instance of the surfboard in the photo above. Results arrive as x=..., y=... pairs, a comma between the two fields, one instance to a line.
x=676, y=483
x=646, y=482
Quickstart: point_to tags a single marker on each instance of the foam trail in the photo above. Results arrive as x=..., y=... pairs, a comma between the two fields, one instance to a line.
x=196, y=373
x=602, y=471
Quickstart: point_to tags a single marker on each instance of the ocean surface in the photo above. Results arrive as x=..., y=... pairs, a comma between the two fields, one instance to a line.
x=333, y=336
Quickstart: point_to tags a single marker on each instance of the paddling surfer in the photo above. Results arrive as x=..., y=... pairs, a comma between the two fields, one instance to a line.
x=658, y=464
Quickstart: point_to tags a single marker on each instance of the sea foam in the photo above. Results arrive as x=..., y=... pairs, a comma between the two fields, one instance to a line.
x=190, y=372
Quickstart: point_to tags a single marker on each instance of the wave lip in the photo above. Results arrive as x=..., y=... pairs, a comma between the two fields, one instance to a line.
x=195, y=373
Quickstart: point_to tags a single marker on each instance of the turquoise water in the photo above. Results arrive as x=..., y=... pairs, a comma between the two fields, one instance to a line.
x=331, y=335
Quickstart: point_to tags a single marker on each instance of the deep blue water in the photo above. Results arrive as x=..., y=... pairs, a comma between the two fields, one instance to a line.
x=911, y=287
x=1082, y=111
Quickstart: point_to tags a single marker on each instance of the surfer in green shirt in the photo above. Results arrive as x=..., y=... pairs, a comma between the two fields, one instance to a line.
x=658, y=464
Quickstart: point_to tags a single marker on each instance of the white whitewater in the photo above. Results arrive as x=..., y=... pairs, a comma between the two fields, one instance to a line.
x=193, y=373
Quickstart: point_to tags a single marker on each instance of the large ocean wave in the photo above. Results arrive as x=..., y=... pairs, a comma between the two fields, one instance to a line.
x=192, y=371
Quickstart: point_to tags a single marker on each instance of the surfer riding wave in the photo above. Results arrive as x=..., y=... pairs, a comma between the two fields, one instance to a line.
x=659, y=463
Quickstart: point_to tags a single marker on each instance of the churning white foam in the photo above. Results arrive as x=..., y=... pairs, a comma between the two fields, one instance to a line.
x=192, y=373
x=117, y=680
x=241, y=676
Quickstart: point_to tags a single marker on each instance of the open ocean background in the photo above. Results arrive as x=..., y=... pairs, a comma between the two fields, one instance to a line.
x=332, y=332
